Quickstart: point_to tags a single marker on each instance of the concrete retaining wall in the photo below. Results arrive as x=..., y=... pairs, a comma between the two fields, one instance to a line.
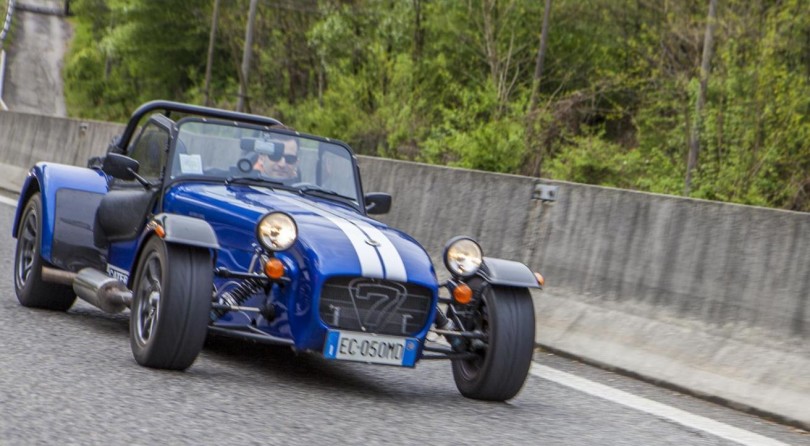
x=705, y=296
x=26, y=139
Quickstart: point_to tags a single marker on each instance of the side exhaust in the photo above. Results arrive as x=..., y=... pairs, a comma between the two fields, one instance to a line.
x=94, y=287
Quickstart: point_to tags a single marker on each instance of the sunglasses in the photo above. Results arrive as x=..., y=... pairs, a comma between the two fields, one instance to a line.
x=290, y=159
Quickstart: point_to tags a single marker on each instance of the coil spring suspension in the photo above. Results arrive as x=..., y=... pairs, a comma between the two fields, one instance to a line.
x=238, y=295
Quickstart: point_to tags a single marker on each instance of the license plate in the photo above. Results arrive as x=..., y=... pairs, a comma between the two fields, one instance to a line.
x=374, y=349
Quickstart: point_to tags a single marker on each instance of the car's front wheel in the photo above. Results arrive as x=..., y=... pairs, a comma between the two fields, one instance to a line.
x=501, y=363
x=31, y=290
x=171, y=301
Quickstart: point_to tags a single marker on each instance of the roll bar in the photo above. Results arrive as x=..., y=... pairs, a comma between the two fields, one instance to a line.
x=169, y=106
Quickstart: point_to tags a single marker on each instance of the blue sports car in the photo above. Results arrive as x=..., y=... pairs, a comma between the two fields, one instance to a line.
x=200, y=220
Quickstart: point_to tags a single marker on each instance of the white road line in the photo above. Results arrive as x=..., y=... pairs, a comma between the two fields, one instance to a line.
x=8, y=201
x=679, y=416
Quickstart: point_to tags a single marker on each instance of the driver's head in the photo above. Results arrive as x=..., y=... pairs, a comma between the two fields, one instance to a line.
x=286, y=166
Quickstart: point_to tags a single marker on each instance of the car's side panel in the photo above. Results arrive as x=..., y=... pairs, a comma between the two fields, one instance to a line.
x=121, y=258
x=50, y=178
x=75, y=244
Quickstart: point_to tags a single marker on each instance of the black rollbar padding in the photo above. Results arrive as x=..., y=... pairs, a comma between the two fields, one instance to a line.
x=169, y=106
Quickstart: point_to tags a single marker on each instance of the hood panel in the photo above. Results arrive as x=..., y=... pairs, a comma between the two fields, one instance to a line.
x=336, y=239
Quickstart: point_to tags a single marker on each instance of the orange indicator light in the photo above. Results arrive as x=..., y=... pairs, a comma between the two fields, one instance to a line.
x=160, y=231
x=540, y=279
x=274, y=268
x=462, y=293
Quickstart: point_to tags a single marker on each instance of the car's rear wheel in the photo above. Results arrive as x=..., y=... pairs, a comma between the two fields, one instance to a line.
x=171, y=301
x=497, y=373
x=31, y=290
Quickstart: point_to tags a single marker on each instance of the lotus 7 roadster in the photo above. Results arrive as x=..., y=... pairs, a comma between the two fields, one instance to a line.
x=205, y=221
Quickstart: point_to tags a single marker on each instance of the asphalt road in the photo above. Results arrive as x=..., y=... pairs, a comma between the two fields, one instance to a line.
x=69, y=378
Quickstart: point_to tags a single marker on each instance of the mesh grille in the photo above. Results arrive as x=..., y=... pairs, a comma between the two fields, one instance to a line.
x=379, y=306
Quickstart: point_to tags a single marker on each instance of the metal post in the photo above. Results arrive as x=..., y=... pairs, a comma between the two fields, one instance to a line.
x=3, y=105
x=3, y=34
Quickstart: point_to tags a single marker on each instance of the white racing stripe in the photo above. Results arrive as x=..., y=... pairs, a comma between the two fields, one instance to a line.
x=394, y=267
x=358, y=232
x=370, y=264
x=679, y=416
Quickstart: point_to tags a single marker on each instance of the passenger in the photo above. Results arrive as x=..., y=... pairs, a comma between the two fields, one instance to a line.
x=335, y=173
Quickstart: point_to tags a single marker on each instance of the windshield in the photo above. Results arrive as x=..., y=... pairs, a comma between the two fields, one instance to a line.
x=229, y=152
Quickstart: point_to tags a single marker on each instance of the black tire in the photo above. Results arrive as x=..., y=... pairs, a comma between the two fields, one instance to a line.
x=506, y=315
x=170, y=305
x=31, y=290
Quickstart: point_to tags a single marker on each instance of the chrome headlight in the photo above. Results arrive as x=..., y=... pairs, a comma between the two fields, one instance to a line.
x=462, y=256
x=277, y=231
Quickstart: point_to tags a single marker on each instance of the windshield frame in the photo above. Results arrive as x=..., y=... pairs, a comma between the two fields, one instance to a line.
x=169, y=180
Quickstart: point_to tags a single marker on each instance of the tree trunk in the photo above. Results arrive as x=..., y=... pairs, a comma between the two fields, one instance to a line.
x=534, y=151
x=210, y=61
x=321, y=80
x=705, y=67
x=418, y=31
x=502, y=67
x=541, y=56
x=246, y=54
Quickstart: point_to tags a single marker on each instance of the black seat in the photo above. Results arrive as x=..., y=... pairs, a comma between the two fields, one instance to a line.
x=122, y=213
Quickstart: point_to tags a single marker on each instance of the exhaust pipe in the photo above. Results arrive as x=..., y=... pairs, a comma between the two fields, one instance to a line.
x=59, y=276
x=94, y=287
x=101, y=290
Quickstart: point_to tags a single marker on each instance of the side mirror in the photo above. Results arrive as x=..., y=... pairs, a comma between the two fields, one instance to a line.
x=120, y=166
x=378, y=203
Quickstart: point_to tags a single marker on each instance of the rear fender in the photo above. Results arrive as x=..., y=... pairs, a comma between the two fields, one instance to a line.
x=30, y=187
x=507, y=273
x=48, y=178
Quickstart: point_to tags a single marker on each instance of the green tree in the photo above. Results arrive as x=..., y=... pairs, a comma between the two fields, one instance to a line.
x=452, y=82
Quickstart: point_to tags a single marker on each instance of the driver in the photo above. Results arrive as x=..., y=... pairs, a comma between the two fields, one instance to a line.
x=283, y=168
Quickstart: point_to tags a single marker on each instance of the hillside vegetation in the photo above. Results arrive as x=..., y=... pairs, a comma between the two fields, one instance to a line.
x=615, y=100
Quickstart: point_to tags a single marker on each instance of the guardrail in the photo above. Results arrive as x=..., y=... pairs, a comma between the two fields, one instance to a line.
x=3, y=34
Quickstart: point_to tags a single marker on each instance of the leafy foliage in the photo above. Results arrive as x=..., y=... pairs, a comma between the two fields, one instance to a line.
x=448, y=81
